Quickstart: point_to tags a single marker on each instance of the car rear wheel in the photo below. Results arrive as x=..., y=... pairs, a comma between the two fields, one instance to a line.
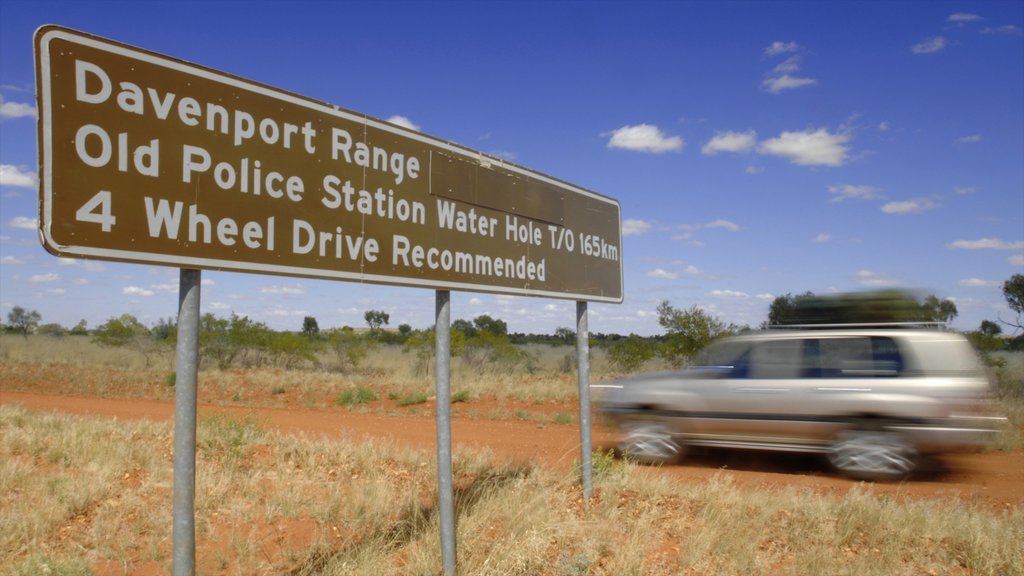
x=649, y=442
x=873, y=455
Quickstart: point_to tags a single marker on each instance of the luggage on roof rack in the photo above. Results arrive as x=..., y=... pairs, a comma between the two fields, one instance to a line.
x=856, y=325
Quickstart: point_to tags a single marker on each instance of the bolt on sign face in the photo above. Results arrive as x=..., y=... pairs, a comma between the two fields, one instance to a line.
x=146, y=158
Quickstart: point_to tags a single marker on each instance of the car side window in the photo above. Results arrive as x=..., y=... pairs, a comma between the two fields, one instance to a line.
x=858, y=357
x=777, y=359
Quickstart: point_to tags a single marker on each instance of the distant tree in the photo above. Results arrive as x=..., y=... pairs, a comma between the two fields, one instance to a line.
x=629, y=354
x=310, y=328
x=688, y=332
x=404, y=330
x=23, y=321
x=376, y=318
x=485, y=323
x=465, y=327
x=165, y=330
x=987, y=338
x=350, y=348
x=935, y=310
x=80, y=329
x=126, y=331
x=990, y=328
x=566, y=335
x=1013, y=291
x=52, y=330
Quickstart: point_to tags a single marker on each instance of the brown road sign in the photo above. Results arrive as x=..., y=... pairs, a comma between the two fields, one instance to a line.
x=145, y=158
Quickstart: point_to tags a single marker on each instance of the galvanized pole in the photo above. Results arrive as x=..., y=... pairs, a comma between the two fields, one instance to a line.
x=442, y=383
x=185, y=386
x=583, y=359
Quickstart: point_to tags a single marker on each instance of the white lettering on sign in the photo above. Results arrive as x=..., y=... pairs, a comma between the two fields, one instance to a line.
x=336, y=243
x=145, y=159
x=451, y=218
x=405, y=253
x=249, y=178
x=377, y=158
x=164, y=220
x=94, y=86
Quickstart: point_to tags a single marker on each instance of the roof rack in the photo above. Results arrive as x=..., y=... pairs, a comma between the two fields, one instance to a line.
x=855, y=325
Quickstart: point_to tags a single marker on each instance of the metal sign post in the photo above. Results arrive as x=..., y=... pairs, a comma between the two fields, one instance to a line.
x=442, y=383
x=185, y=400
x=583, y=358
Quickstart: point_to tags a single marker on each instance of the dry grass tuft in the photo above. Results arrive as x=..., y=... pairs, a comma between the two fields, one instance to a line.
x=92, y=496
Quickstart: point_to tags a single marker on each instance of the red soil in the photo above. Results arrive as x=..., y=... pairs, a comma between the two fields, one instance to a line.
x=992, y=479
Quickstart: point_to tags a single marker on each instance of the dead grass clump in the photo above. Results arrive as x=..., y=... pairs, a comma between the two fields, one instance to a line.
x=85, y=495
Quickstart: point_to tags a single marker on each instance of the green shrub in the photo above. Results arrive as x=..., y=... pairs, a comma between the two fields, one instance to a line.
x=361, y=395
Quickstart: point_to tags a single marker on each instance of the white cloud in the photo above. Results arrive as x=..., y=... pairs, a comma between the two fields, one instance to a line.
x=850, y=192
x=40, y=278
x=663, y=274
x=633, y=227
x=18, y=177
x=929, y=45
x=883, y=126
x=961, y=17
x=754, y=169
x=869, y=278
x=24, y=223
x=985, y=244
x=283, y=290
x=404, y=122
x=916, y=206
x=16, y=109
x=475, y=301
x=644, y=138
x=777, y=84
x=55, y=291
x=791, y=64
x=777, y=48
x=979, y=283
x=136, y=291
x=728, y=295
x=730, y=142
x=965, y=190
x=731, y=226
x=1017, y=260
x=823, y=238
x=1008, y=30
x=972, y=139
x=693, y=270
x=808, y=148
x=11, y=260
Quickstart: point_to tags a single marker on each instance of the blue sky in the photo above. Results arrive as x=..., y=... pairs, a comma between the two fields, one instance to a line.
x=757, y=149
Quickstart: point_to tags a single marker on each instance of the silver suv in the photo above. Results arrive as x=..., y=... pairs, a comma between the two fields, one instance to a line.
x=873, y=399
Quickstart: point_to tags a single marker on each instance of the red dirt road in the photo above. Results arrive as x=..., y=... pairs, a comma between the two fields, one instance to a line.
x=994, y=480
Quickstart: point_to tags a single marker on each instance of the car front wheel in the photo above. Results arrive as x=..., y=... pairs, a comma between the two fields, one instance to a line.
x=873, y=455
x=649, y=442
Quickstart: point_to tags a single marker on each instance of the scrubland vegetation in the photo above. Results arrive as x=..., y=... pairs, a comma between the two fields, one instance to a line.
x=83, y=496
x=86, y=496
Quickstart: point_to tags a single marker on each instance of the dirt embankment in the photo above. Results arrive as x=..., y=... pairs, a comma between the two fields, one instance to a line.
x=993, y=479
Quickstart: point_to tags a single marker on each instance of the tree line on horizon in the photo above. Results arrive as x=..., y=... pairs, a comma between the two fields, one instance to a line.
x=485, y=343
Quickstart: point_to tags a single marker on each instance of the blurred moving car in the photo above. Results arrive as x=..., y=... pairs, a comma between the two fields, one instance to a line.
x=874, y=399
